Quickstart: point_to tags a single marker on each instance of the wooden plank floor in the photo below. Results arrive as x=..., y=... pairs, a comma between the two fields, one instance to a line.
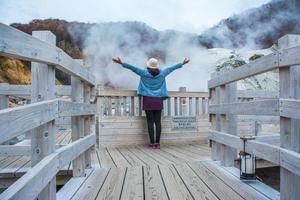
x=182, y=171
x=16, y=166
x=174, y=172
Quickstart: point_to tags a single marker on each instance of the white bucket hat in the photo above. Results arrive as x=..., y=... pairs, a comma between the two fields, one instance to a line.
x=152, y=63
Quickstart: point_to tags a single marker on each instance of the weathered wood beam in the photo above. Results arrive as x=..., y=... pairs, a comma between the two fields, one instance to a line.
x=18, y=150
x=261, y=107
x=17, y=44
x=88, y=122
x=31, y=183
x=15, y=121
x=288, y=159
x=258, y=66
x=67, y=108
x=77, y=124
x=257, y=94
x=231, y=124
x=260, y=149
x=126, y=93
x=289, y=108
x=43, y=88
x=25, y=90
x=283, y=58
x=289, y=83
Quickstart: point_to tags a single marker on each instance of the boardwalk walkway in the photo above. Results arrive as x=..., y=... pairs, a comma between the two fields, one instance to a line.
x=174, y=172
x=182, y=171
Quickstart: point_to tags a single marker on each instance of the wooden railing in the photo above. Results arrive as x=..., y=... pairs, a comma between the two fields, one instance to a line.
x=122, y=120
x=39, y=116
x=224, y=107
x=128, y=103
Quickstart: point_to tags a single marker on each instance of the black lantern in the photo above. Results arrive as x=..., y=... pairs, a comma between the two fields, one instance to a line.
x=247, y=162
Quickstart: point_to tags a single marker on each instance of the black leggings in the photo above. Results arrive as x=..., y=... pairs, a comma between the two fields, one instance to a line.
x=154, y=116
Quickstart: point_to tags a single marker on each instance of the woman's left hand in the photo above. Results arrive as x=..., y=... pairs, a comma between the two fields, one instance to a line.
x=185, y=61
x=117, y=60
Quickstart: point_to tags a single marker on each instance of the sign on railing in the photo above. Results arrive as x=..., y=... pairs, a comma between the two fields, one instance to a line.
x=184, y=123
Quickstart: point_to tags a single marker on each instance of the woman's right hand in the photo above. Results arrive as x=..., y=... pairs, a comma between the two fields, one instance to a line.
x=117, y=60
x=185, y=61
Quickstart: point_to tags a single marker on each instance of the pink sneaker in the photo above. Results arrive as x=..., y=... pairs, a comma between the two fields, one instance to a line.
x=151, y=146
x=156, y=146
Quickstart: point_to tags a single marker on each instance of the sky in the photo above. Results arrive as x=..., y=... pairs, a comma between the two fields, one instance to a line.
x=182, y=15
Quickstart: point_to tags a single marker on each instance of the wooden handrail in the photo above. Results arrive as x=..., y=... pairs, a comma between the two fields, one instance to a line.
x=65, y=90
x=31, y=184
x=17, y=44
x=275, y=154
x=286, y=106
x=129, y=93
x=25, y=90
x=282, y=58
x=261, y=107
x=258, y=66
x=16, y=121
x=39, y=116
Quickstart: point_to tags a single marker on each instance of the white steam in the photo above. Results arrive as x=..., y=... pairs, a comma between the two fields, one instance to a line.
x=134, y=43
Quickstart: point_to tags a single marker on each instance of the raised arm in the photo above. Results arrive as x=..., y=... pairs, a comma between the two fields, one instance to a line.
x=139, y=71
x=168, y=70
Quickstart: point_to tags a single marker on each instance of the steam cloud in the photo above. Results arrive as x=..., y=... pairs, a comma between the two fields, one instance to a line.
x=256, y=28
x=134, y=43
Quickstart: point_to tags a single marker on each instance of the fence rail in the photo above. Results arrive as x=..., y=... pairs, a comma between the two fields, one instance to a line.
x=122, y=122
x=17, y=44
x=286, y=105
x=39, y=117
x=128, y=103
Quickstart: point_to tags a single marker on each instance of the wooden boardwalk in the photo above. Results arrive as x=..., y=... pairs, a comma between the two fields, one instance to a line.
x=16, y=166
x=174, y=172
x=182, y=171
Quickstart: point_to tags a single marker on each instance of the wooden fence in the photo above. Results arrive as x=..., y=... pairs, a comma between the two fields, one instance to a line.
x=125, y=106
x=39, y=116
x=122, y=121
x=224, y=107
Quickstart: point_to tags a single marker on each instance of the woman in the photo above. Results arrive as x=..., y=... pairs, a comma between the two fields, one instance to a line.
x=153, y=89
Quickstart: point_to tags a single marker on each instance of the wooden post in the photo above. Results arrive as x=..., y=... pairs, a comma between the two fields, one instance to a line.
x=140, y=106
x=213, y=144
x=190, y=106
x=132, y=104
x=220, y=121
x=176, y=105
x=204, y=104
x=197, y=106
x=289, y=78
x=87, y=123
x=104, y=108
x=3, y=102
x=125, y=106
x=77, y=92
x=117, y=106
x=231, y=124
x=43, y=88
x=257, y=128
x=169, y=106
x=109, y=107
